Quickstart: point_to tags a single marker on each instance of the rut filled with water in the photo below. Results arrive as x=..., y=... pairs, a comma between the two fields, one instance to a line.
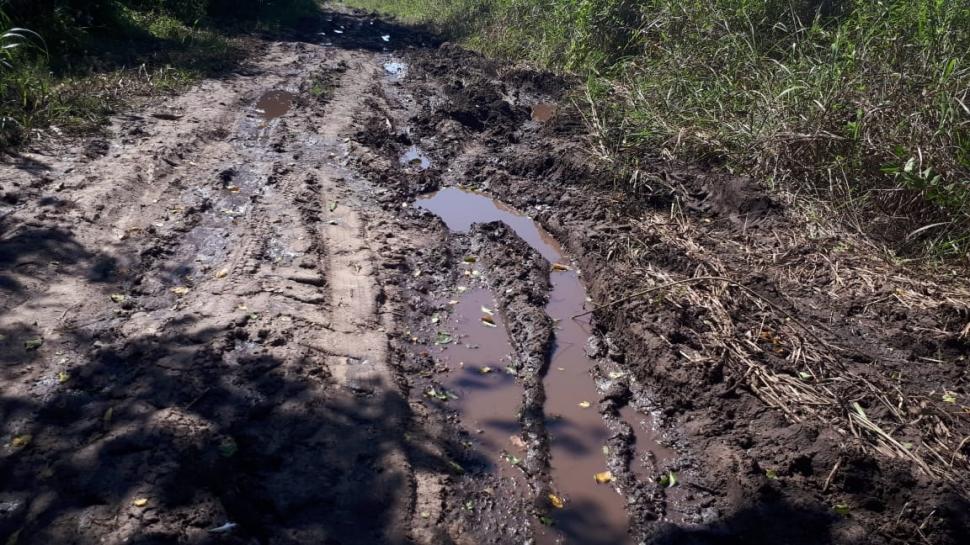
x=584, y=510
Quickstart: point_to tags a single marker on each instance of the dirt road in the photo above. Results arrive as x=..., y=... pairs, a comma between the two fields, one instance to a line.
x=245, y=316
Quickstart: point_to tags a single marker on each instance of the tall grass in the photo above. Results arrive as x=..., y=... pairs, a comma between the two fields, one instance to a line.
x=863, y=103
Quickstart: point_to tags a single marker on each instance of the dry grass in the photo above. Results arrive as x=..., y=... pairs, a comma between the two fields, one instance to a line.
x=874, y=405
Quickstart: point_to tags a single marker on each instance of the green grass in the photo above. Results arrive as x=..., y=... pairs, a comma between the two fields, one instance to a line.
x=861, y=103
x=81, y=60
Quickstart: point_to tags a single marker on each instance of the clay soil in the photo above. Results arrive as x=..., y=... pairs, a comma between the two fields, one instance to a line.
x=219, y=325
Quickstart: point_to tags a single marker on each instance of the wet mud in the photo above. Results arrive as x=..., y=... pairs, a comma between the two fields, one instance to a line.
x=575, y=511
x=373, y=288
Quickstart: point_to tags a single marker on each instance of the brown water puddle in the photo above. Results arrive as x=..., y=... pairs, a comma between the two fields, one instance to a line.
x=274, y=104
x=486, y=396
x=543, y=112
x=593, y=513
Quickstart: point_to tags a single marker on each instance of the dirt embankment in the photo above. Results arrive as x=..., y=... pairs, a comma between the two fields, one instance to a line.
x=225, y=326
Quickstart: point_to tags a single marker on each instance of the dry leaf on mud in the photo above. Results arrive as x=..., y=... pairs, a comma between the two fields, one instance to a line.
x=471, y=259
x=33, y=344
x=63, y=377
x=488, y=321
x=440, y=394
x=140, y=502
x=232, y=188
x=517, y=442
x=603, y=477
x=512, y=459
x=118, y=297
x=584, y=404
x=949, y=397
x=333, y=205
x=557, y=501
x=222, y=273
x=488, y=311
x=180, y=290
x=21, y=441
x=485, y=370
x=442, y=338
x=559, y=267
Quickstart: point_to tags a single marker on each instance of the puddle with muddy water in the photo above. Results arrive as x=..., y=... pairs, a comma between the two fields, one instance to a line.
x=543, y=112
x=477, y=356
x=593, y=514
x=274, y=104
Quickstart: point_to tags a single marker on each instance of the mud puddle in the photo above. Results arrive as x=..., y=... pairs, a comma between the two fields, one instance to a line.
x=589, y=512
x=543, y=112
x=274, y=104
x=414, y=157
x=396, y=69
x=473, y=343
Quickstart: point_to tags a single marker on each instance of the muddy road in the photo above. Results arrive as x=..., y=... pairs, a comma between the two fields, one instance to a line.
x=372, y=288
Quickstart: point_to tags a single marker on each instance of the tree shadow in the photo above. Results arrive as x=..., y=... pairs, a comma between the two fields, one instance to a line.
x=209, y=428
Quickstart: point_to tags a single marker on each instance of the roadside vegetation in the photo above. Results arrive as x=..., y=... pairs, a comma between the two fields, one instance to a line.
x=862, y=106
x=66, y=64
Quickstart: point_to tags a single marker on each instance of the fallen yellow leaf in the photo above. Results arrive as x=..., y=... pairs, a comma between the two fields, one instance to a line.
x=223, y=273
x=21, y=441
x=140, y=502
x=180, y=290
x=584, y=404
x=559, y=267
x=556, y=501
x=603, y=477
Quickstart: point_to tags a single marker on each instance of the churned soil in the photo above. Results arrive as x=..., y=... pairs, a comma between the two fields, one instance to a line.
x=223, y=324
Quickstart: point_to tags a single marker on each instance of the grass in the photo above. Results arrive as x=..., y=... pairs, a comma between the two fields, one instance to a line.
x=82, y=60
x=859, y=104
